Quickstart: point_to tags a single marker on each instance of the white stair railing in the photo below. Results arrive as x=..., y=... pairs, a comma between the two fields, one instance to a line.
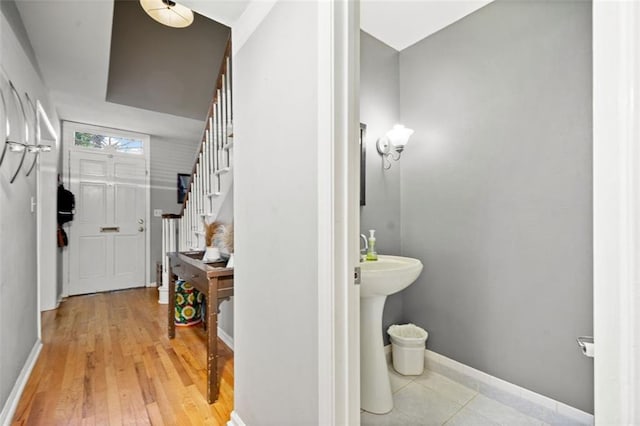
x=211, y=178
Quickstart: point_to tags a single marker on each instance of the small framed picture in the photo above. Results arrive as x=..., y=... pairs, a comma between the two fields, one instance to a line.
x=183, y=186
x=363, y=164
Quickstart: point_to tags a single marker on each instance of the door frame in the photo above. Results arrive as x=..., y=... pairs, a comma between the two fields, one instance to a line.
x=616, y=211
x=68, y=129
x=45, y=134
x=338, y=212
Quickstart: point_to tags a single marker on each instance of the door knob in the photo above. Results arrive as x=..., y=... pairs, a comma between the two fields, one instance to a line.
x=140, y=229
x=140, y=221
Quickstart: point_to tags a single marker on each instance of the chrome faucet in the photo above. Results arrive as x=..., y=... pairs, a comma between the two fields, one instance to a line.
x=363, y=251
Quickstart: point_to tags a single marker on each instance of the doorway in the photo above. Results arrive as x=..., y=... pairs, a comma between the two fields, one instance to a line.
x=106, y=170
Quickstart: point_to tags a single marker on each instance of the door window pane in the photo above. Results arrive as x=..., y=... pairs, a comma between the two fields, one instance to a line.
x=109, y=143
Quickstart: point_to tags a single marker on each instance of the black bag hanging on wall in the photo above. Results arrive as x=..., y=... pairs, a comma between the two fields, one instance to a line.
x=66, y=205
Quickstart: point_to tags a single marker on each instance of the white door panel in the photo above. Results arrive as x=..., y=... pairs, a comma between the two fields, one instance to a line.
x=107, y=238
x=93, y=199
x=124, y=263
x=127, y=172
x=92, y=168
x=93, y=254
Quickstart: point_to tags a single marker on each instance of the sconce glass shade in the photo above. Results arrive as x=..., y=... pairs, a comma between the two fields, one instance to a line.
x=168, y=12
x=399, y=136
x=391, y=145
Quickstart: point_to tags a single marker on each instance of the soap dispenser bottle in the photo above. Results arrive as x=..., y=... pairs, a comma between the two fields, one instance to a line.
x=371, y=252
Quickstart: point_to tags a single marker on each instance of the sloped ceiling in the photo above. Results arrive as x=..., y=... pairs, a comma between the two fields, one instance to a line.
x=401, y=23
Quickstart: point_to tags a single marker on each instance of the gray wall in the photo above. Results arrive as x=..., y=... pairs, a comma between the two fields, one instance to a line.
x=497, y=190
x=168, y=158
x=18, y=238
x=380, y=110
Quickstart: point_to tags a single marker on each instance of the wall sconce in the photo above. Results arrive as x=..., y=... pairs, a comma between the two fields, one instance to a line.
x=391, y=145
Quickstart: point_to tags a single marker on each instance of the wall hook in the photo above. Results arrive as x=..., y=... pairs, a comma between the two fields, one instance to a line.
x=16, y=95
x=8, y=127
x=35, y=147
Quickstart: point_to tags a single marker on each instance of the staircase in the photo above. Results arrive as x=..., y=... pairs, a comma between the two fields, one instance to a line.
x=211, y=179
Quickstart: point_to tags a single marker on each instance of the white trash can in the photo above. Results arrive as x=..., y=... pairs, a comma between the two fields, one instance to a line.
x=407, y=348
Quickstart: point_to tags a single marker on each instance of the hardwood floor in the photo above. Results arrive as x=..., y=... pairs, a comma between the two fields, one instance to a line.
x=106, y=360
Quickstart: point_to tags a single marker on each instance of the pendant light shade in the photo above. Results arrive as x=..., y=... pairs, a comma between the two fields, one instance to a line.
x=168, y=13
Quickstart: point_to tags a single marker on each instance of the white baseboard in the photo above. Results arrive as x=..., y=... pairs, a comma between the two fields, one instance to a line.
x=235, y=420
x=57, y=305
x=9, y=409
x=228, y=340
x=493, y=386
x=163, y=295
x=153, y=284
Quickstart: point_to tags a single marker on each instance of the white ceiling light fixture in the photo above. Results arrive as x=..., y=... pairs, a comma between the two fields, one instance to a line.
x=168, y=12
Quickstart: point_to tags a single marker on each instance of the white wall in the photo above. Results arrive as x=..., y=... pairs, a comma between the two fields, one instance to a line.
x=275, y=193
x=18, y=243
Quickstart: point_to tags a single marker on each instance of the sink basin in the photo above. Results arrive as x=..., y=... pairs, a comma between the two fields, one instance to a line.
x=378, y=279
x=388, y=275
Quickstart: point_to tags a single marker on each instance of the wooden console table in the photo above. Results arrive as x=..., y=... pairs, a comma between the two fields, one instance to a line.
x=216, y=283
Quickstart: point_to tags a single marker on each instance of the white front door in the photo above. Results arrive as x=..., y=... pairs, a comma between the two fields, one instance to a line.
x=107, y=237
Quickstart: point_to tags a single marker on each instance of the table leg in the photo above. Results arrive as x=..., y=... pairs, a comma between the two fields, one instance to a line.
x=212, y=343
x=171, y=305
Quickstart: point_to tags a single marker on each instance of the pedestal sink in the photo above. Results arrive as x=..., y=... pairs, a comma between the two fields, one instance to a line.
x=378, y=279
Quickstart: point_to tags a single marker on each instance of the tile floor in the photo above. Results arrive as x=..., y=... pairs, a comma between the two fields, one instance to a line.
x=433, y=399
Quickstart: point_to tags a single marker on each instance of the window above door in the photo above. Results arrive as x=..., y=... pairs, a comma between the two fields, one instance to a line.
x=109, y=143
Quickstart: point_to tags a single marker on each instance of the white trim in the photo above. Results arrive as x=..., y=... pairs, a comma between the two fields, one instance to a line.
x=39, y=248
x=235, y=420
x=51, y=137
x=147, y=220
x=338, y=213
x=57, y=305
x=476, y=378
x=153, y=284
x=616, y=182
x=351, y=78
x=163, y=295
x=247, y=23
x=326, y=221
x=228, y=340
x=9, y=409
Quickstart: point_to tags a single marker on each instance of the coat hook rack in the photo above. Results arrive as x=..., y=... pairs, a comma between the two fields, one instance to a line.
x=35, y=147
x=8, y=127
x=15, y=145
x=31, y=141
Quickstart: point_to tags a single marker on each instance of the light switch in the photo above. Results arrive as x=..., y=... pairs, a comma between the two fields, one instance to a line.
x=157, y=212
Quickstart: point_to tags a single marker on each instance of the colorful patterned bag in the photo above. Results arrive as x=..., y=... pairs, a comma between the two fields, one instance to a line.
x=188, y=304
